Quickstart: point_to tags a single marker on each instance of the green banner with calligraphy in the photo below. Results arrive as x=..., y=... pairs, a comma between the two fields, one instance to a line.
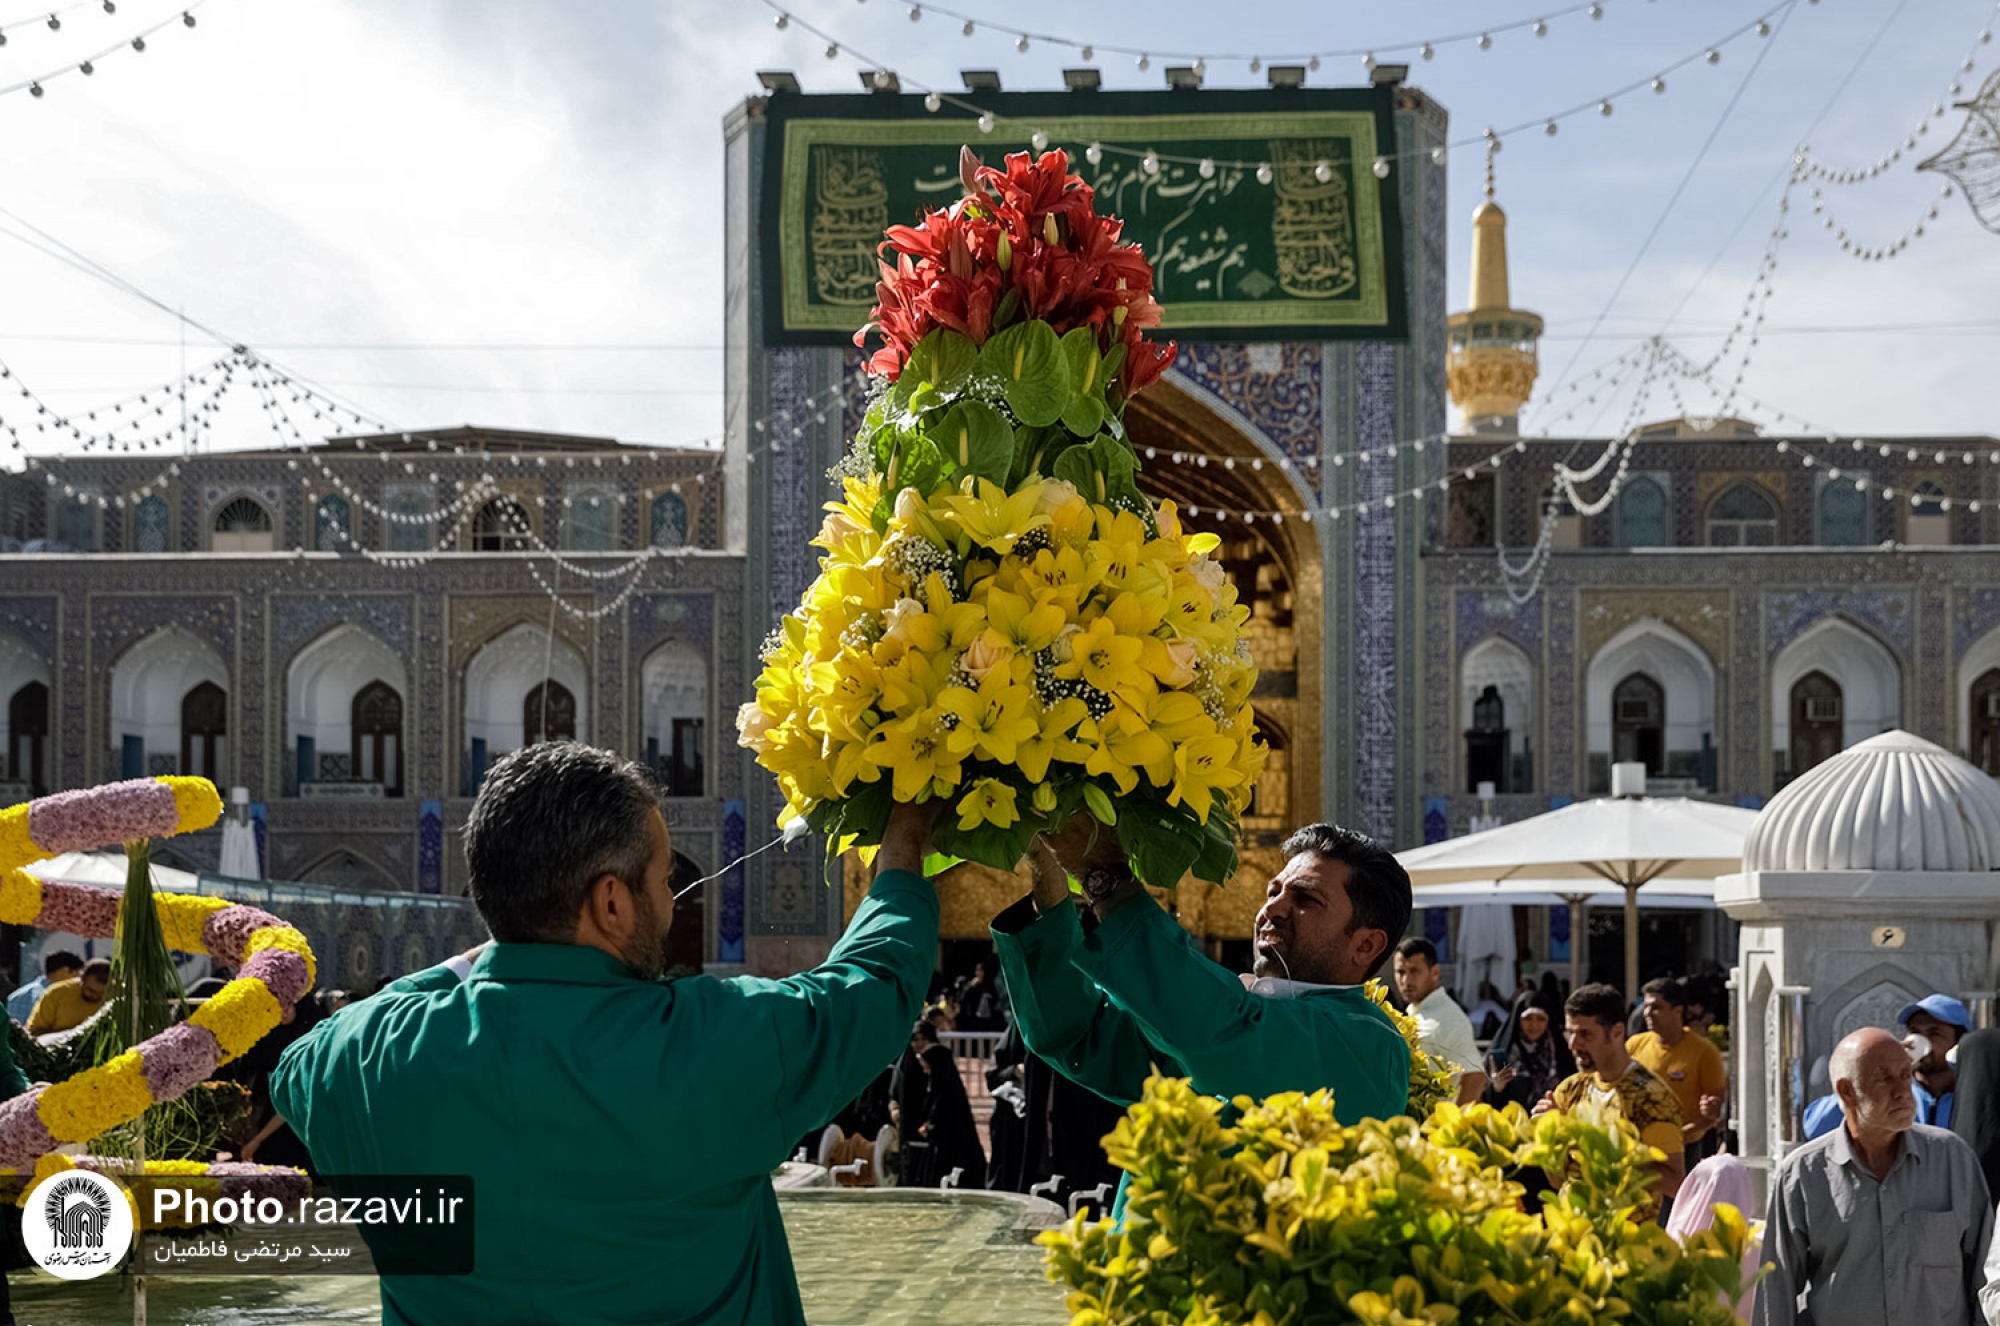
x=1315, y=253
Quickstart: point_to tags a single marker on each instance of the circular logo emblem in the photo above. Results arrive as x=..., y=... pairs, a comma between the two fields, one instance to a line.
x=77, y=1224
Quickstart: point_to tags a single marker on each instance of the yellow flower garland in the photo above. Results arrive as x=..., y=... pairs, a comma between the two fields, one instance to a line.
x=20, y=897
x=238, y=1015
x=182, y=916
x=284, y=937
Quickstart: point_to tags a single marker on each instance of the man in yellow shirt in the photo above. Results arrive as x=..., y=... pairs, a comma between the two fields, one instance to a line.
x=1688, y=1062
x=1607, y=1075
x=68, y=1003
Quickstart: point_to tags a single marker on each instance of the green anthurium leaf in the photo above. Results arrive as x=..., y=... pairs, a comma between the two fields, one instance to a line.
x=976, y=439
x=1078, y=465
x=1162, y=842
x=1118, y=464
x=988, y=844
x=914, y=463
x=923, y=399
x=1217, y=861
x=1114, y=364
x=1083, y=414
x=1027, y=361
x=942, y=360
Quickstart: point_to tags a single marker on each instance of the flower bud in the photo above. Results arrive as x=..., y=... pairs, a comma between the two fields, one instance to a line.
x=1049, y=232
x=1004, y=254
x=752, y=727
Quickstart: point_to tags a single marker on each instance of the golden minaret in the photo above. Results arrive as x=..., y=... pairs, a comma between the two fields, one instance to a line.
x=1490, y=367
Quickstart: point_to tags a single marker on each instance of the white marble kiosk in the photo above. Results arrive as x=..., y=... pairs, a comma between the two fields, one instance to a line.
x=1867, y=883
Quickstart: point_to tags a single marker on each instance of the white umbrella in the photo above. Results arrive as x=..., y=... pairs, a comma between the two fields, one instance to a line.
x=1628, y=841
x=1689, y=895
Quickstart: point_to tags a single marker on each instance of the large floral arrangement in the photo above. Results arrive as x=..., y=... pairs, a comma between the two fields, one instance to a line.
x=1001, y=618
x=275, y=965
x=1288, y=1216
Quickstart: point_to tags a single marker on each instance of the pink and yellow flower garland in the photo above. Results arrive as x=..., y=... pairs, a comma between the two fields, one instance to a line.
x=274, y=963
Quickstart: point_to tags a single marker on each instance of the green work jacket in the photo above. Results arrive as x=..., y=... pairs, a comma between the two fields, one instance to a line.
x=1136, y=996
x=620, y=1133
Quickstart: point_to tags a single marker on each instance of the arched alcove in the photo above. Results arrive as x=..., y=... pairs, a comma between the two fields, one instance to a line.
x=498, y=682
x=1869, y=679
x=1979, y=717
x=1651, y=654
x=1497, y=753
x=165, y=693
x=675, y=718
x=323, y=685
x=26, y=755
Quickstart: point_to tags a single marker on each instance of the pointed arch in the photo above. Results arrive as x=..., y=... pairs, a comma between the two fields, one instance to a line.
x=674, y=717
x=1978, y=724
x=1866, y=671
x=1498, y=728
x=27, y=754
x=1685, y=676
x=150, y=685
x=497, y=681
x=323, y=681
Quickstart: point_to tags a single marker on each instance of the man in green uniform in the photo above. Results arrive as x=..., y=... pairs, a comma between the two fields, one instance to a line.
x=620, y=1130
x=1105, y=1008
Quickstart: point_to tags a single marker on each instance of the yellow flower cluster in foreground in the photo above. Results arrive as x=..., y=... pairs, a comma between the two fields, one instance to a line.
x=999, y=648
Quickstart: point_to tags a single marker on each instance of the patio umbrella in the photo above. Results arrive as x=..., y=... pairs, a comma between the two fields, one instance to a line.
x=1627, y=841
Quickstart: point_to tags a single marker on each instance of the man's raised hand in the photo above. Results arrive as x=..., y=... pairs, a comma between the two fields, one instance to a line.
x=906, y=838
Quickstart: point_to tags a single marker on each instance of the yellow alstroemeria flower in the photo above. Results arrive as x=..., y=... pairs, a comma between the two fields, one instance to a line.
x=992, y=721
x=913, y=749
x=1028, y=627
x=1124, y=746
x=989, y=802
x=1201, y=768
x=1104, y=658
x=1053, y=741
x=993, y=518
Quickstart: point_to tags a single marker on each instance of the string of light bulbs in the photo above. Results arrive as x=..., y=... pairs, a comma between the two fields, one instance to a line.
x=35, y=87
x=1265, y=171
x=1025, y=39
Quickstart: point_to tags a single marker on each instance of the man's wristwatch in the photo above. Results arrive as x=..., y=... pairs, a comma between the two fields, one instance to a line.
x=1100, y=882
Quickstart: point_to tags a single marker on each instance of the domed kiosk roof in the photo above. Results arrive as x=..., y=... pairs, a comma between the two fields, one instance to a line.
x=1893, y=802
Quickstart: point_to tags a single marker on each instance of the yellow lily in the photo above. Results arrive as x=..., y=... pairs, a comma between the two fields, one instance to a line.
x=1104, y=658
x=991, y=517
x=1053, y=741
x=1201, y=767
x=1178, y=717
x=1028, y=627
x=1122, y=749
x=992, y=721
x=913, y=749
x=989, y=802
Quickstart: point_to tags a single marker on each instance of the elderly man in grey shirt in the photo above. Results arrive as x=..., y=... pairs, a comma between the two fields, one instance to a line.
x=1883, y=1219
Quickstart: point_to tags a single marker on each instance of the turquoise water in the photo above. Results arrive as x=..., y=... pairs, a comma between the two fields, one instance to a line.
x=876, y=1258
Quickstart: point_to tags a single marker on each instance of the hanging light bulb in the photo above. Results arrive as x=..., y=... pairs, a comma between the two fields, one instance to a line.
x=1550, y=128
x=1597, y=11
x=55, y=24
x=1604, y=108
x=1485, y=41
x=1150, y=163
x=986, y=122
x=1021, y=44
x=782, y=21
x=932, y=101
x=1541, y=28
x=1438, y=155
x=1089, y=52
x=1763, y=28
x=833, y=50
x=968, y=29
x=1714, y=56
x=1323, y=172
x=1426, y=51
x=1206, y=169
x=1368, y=61
x=1264, y=172
x=916, y=13
x=1255, y=64
x=1659, y=85
x=1039, y=140
x=1200, y=66
x=1313, y=64
x=1381, y=168
x=1093, y=154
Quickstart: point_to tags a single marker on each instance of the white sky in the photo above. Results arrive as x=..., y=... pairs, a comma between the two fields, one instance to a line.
x=360, y=186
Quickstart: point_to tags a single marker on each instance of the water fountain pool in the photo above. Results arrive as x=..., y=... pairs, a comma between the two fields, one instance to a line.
x=879, y=1257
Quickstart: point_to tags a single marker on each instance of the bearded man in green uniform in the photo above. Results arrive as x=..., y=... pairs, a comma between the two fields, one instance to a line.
x=1133, y=995
x=620, y=1129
